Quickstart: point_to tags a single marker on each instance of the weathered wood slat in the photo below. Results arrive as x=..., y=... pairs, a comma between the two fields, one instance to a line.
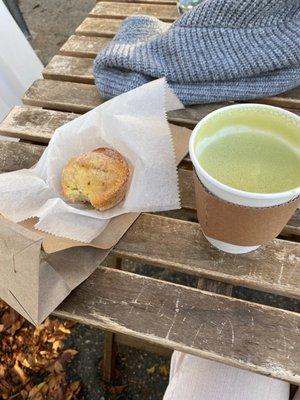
x=73, y=69
x=33, y=123
x=99, y=27
x=191, y=115
x=180, y=245
x=119, y=10
x=80, y=98
x=293, y=226
x=62, y=96
x=290, y=99
x=18, y=155
x=83, y=46
x=38, y=124
x=144, y=1
x=235, y=332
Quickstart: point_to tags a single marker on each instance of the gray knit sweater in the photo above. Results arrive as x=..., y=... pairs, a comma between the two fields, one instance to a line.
x=221, y=50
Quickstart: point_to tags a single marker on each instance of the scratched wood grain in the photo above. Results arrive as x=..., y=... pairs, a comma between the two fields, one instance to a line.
x=167, y=13
x=17, y=155
x=74, y=69
x=62, y=96
x=83, y=46
x=144, y=1
x=234, y=332
x=38, y=124
x=80, y=98
x=179, y=245
x=33, y=123
x=289, y=99
x=99, y=27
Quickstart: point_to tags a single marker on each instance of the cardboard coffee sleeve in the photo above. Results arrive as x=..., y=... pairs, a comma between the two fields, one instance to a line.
x=240, y=225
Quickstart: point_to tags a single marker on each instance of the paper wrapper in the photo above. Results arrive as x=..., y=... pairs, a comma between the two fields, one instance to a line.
x=117, y=226
x=134, y=124
x=240, y=225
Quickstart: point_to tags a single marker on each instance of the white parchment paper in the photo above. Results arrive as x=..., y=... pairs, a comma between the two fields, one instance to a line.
x=135, y=124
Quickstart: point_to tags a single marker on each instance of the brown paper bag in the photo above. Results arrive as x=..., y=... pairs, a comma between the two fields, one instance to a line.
x=38, y=270
x=35, y=283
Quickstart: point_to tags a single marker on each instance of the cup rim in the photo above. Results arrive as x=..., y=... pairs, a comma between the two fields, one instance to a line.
x=242, y=193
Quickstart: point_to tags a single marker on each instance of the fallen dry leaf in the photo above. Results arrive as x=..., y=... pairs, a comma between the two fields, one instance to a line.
x=63, y=329
x=27, y=351
x=2, y=371
x=164, y=371
x=58, y=368
x=19, y=372
x=151, y=370
x=57, y=344
x=117, y=389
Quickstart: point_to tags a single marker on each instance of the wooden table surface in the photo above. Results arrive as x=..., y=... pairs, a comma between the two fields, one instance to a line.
x=201, y=322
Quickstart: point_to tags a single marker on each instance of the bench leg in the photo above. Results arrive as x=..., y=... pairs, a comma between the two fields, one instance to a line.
x=109, y=356
x=110, y=346
x=215, y=286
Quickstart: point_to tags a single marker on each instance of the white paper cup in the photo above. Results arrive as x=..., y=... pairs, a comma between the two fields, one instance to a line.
x=227, y=193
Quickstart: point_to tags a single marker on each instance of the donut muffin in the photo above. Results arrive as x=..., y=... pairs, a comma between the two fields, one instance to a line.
x=99, y=177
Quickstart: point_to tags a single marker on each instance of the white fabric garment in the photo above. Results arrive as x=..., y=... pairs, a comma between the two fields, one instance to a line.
x=194, y=378
x=19, y=65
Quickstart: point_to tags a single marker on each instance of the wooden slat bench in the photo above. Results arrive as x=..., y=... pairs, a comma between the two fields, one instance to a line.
x=83, y=46
x=157, y=2
x=99, y=27
x=119, y=10
x=143, y=311
x=189, y=320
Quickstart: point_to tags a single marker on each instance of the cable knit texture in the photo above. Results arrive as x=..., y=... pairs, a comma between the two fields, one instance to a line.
x=221, y=50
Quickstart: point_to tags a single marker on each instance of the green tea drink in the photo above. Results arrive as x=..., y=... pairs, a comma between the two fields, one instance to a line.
x=248, y=155
x=251, y=161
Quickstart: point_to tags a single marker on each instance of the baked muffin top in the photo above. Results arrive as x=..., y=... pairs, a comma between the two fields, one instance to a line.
x=99, y=177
